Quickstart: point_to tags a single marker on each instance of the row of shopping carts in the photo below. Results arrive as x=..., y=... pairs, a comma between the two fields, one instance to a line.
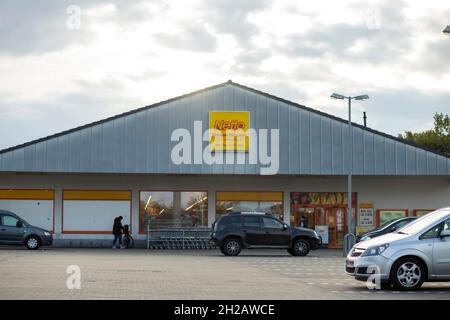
x=179, y=239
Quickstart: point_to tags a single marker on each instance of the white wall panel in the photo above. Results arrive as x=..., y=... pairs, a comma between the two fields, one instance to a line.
x=94, y=215
x=39, y=213
x=385, y=193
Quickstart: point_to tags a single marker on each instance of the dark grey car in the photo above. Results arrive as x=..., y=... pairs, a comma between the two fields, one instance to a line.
x=16, y=231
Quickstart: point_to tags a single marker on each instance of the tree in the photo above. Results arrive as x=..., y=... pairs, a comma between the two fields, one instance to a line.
x=437, y=139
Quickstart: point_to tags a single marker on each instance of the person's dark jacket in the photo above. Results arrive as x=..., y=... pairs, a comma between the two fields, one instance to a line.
x=117, y=227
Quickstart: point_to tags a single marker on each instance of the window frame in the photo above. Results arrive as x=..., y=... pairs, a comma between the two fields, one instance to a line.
x=7, y=215
x=257, y=217
x=274, y=219
x=172, y=191
x=440, y=225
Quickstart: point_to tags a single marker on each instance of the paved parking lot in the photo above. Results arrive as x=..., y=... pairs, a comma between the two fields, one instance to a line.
x=141, y=274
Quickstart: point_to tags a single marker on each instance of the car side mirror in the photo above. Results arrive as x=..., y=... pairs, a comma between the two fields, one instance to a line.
x=445, y=233
x=19, y=224
x=285, y=226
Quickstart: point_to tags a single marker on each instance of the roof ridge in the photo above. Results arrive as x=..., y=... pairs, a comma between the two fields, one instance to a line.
x=120, y=115
x=229, y=82
x=357, y=125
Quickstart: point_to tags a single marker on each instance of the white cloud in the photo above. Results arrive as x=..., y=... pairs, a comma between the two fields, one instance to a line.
x=131, y=54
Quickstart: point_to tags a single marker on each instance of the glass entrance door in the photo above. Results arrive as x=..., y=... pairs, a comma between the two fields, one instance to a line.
x=333, y=218
x=331, y=221
x=305, y=215
x=336, y=226
x=340, y=226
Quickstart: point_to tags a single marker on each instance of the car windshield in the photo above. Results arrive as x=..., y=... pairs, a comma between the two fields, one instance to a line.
x=386, y=224
x=423, y=223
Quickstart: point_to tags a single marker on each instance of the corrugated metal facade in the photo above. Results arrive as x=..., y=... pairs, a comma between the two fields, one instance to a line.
x=311, y=143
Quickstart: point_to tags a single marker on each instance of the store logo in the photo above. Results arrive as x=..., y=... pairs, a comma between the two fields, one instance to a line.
x=225, y=144
x=228, y=131
x=229, y=125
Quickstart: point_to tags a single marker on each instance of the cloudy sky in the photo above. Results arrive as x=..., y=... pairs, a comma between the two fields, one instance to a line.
x=68, y=63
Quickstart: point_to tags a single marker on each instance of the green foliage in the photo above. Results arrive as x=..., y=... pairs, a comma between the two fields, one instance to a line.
x=437, y=139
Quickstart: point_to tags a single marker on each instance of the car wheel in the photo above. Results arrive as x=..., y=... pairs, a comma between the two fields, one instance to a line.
x=33, y=243
x=300, y=248
x=222, y=249
x=232, y=247
x=408, y=274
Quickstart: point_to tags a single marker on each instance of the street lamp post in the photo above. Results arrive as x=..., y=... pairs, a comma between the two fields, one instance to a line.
x=350, y=166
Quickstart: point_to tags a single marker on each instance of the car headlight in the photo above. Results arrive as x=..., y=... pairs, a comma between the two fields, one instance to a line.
x=375, y=250
x=316, y=235
x=47, y=234
x=365, y=238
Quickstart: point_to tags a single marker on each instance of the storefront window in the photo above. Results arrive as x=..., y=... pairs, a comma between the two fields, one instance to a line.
x=172, y=209
x=325, y=212
x=270, y=202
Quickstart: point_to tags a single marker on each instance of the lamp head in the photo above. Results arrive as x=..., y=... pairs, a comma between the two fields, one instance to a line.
x=446, y=31
x=337, y=96
x=361, y=97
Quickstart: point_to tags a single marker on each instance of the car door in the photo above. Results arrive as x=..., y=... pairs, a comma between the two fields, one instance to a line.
x=252, y=230
x=441, y=253
x=10, y=231
x=275, y=234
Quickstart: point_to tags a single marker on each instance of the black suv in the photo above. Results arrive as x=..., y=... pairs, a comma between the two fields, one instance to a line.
x=241, y=230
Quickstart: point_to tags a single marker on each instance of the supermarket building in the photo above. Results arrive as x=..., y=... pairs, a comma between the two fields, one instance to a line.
x=76, y=182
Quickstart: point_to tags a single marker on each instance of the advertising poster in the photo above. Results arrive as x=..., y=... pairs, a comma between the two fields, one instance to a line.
x=420, y=213
x=322, y=231
x=389, y=215
x=366, y=215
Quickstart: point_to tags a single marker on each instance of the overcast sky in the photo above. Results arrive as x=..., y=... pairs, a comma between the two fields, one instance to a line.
x=58, y=72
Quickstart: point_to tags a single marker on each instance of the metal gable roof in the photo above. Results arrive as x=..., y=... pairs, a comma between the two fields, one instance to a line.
x=138, y=141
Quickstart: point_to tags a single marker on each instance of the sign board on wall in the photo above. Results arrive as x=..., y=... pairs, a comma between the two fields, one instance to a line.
x=366, y=218
x=321, y=198
x=366, y=215
x=322, y=231
x=386, y=215
x=421, y=212
x=230, y=130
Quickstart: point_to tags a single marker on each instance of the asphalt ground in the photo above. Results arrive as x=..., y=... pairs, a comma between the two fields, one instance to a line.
x=52, y=273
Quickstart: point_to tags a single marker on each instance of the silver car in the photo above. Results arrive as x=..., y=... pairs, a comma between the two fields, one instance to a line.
x=407, y=258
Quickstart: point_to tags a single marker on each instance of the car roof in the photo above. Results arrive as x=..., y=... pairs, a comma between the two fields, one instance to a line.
x=406, y=218
x=401, y=219
x=250, y=213
x=8, y=213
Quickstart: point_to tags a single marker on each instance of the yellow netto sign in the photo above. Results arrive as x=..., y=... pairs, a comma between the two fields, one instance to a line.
x=228, y=130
